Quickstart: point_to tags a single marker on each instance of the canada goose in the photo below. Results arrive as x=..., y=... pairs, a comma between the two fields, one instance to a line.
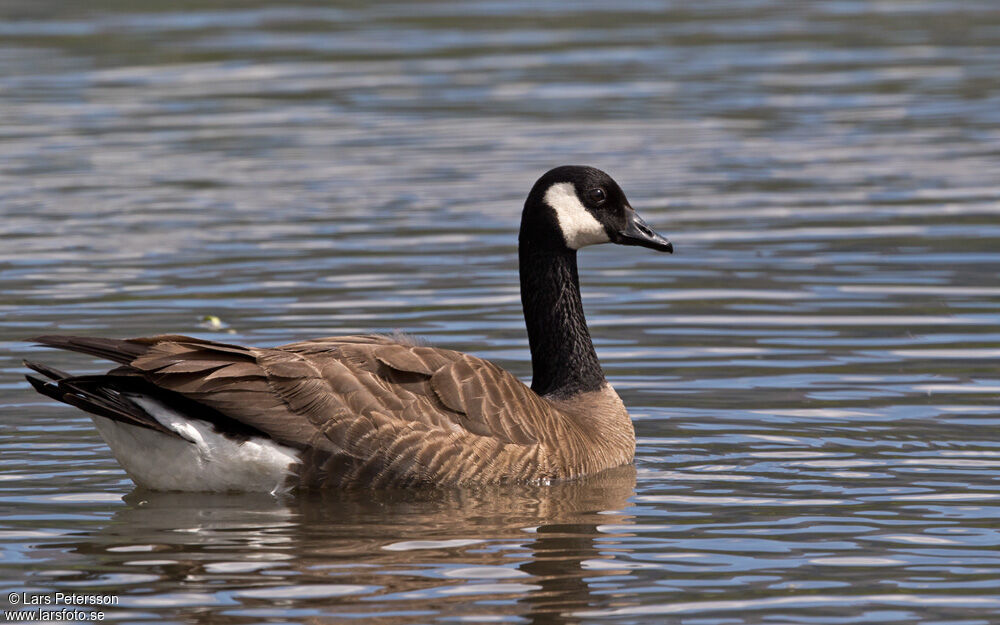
x=189, y=414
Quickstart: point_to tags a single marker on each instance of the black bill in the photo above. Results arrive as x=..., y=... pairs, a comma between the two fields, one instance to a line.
x=636, y=232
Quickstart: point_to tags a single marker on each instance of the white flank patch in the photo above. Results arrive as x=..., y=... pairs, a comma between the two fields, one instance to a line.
x=211, y=463
x=579, y=227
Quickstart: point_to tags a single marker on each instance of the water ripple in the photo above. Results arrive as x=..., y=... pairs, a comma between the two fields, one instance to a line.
x=812, y=375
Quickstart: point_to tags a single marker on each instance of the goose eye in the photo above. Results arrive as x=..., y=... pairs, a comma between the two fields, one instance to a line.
x=597, y=195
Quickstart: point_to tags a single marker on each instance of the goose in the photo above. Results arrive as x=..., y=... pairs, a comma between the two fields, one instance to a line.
x=374, y=411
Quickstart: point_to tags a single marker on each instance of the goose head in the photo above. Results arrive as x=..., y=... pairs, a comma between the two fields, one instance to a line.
x=573, y=206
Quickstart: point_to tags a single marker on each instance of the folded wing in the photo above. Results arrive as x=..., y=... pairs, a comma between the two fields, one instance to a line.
x=363, y=410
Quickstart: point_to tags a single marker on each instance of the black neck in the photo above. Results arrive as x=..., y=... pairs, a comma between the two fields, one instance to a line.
x=563, y=359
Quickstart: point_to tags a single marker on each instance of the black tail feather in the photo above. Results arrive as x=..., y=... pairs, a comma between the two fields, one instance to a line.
x=95, y=395
x=45, y=388
x=50, y=372
x=109, y=395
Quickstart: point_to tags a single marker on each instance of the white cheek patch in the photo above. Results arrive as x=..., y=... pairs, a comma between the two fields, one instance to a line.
x=579, y=227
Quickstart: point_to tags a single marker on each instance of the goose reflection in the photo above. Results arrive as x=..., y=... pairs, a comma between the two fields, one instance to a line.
x=526, y=553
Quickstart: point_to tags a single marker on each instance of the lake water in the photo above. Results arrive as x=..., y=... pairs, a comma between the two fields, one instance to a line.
x=813, y=375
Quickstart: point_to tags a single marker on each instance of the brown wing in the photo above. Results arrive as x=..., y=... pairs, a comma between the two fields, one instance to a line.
x=368, y=410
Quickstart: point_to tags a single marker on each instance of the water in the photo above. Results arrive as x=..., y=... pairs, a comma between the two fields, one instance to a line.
x=813, y=374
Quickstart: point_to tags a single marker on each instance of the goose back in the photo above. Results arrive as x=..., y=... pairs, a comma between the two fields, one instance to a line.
x=373, y=411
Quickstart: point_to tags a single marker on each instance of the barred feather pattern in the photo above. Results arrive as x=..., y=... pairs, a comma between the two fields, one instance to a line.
x=371, y=411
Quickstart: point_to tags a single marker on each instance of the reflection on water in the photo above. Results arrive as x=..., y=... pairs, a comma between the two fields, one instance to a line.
x=525, y=551
x=813, y=375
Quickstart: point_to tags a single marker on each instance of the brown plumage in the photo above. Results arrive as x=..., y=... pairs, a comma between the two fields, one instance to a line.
x=378, y=411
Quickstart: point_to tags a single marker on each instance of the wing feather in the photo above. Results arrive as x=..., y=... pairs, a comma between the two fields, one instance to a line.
x=364, y=409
